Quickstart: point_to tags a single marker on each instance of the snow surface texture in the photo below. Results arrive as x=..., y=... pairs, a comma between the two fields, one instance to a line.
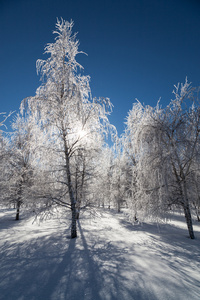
x=111, y=259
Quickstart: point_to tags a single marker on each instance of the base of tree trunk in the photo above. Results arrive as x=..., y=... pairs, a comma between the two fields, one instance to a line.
x=189, y=221
x=73, y=235
x=73, y=226
x=17, y=215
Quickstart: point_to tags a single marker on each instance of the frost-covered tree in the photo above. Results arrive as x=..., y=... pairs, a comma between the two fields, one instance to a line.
x=194, y=189
x=102, y=184
x=20, y=163
x=2, y=141
x=4, y=158
x=142, y=146
x=4, y=117
x=72, y=122
x=120, y=174
x=166, y=146
x=4, y=155
x=129, y=170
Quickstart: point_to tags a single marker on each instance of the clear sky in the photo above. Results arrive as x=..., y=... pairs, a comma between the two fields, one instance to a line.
x=136, y=49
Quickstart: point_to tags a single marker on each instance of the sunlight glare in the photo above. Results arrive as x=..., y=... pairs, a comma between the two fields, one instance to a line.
x=81, y=133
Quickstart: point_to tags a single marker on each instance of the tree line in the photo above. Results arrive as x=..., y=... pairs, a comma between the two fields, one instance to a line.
x=57, y=154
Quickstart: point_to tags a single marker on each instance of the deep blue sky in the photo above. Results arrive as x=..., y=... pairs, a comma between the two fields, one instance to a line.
x=136, y=49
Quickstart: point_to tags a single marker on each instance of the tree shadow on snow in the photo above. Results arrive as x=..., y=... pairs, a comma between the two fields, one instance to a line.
x=109, y=269
x=172, y=246
x=91, y=267
x=53, y=267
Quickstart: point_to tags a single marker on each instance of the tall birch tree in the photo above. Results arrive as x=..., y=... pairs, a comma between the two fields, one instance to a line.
x=73, y=123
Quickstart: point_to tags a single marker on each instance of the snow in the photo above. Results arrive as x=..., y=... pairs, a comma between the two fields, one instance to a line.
x=111, y=259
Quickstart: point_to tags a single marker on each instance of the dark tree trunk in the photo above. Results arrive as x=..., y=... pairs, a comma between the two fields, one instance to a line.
x=19, y=200
x=73, y=207
x=188, y=220
x=17, y=213
x=118, y=206
x=187, y=212
x=73, y=226
x=77, y=215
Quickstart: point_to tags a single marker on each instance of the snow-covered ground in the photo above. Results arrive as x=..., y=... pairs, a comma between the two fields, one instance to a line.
x=111, y=259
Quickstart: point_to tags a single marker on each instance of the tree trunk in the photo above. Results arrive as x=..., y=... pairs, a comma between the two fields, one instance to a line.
x=73, y=207
x=77, y=215
x=187, y=212
x=73, y=226
x=188, y=220
x=197, y=211
x=118, y=206
x=17, y=213
x=19, y=200
x=71, y=193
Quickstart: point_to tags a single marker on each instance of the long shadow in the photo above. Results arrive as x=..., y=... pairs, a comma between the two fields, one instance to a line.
x=54, y=268
x=37, y=269
x=160, y=229
x=173, y=245
x=8, y=218
x=61, y=279
x=167, y=233
x=105, y=262
x=93, y=287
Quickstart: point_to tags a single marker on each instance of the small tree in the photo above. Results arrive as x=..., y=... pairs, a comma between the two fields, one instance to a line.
x=21, y=163
x=102, y=184
x=119, y=174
